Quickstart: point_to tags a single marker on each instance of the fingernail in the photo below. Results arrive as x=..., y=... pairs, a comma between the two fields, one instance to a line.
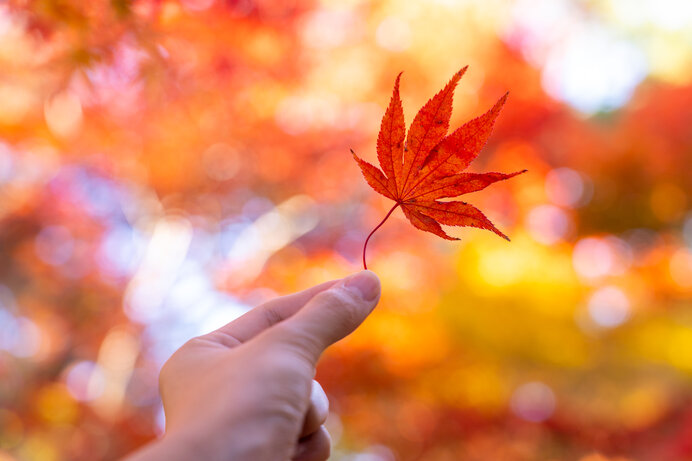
x=365, y=283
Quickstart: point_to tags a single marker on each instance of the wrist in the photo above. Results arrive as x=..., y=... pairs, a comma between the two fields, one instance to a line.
x=166, y=448
x=195, y=443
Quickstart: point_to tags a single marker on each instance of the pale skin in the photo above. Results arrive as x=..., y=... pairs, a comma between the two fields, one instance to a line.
x=246, y=391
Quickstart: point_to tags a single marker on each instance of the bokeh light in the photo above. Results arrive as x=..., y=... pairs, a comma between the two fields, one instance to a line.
x=533, y=401
x=609, y=307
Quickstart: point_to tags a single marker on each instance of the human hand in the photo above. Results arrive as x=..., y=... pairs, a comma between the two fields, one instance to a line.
x=246, y=390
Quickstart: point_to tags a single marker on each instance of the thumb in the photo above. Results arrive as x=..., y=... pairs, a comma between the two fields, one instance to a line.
x=328, y=317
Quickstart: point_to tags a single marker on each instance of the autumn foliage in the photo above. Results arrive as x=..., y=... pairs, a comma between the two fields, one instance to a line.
x=166, y=165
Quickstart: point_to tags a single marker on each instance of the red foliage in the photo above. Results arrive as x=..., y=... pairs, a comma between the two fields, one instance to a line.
x=428, y=166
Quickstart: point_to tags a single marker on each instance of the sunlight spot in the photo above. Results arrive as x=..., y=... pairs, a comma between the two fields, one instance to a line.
x=502, y=268
x=592, y=70
x=20, y=336
x=666, y=14
x=298, y=114
x=609, y=307
x=593, y=258
x=393, y=34
x=548, y=224
x=85, y=380
x=17, y=102
x=564, y=187
x=533, y=401
x=328, y=28
x=681, y=268
x=267, y=234
x=63, y=114
x=584, y=63
x=116, y=358
x=158, y=271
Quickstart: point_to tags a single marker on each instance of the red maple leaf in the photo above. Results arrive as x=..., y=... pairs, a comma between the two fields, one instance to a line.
x=428, y=166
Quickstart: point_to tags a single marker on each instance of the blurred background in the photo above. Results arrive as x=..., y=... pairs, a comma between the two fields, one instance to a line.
x=167, y=165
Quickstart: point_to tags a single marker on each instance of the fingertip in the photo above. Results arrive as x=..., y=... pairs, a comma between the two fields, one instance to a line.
x=330, y=316
x=365, y=284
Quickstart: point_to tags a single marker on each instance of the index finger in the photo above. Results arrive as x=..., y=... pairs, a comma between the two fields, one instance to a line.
x=270, y=313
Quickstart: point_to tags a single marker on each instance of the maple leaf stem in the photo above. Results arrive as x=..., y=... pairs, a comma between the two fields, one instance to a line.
x=365, y=265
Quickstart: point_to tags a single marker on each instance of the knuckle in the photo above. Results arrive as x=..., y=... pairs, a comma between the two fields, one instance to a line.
x=222, y=337
x=285, y=409
x=271, y=315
